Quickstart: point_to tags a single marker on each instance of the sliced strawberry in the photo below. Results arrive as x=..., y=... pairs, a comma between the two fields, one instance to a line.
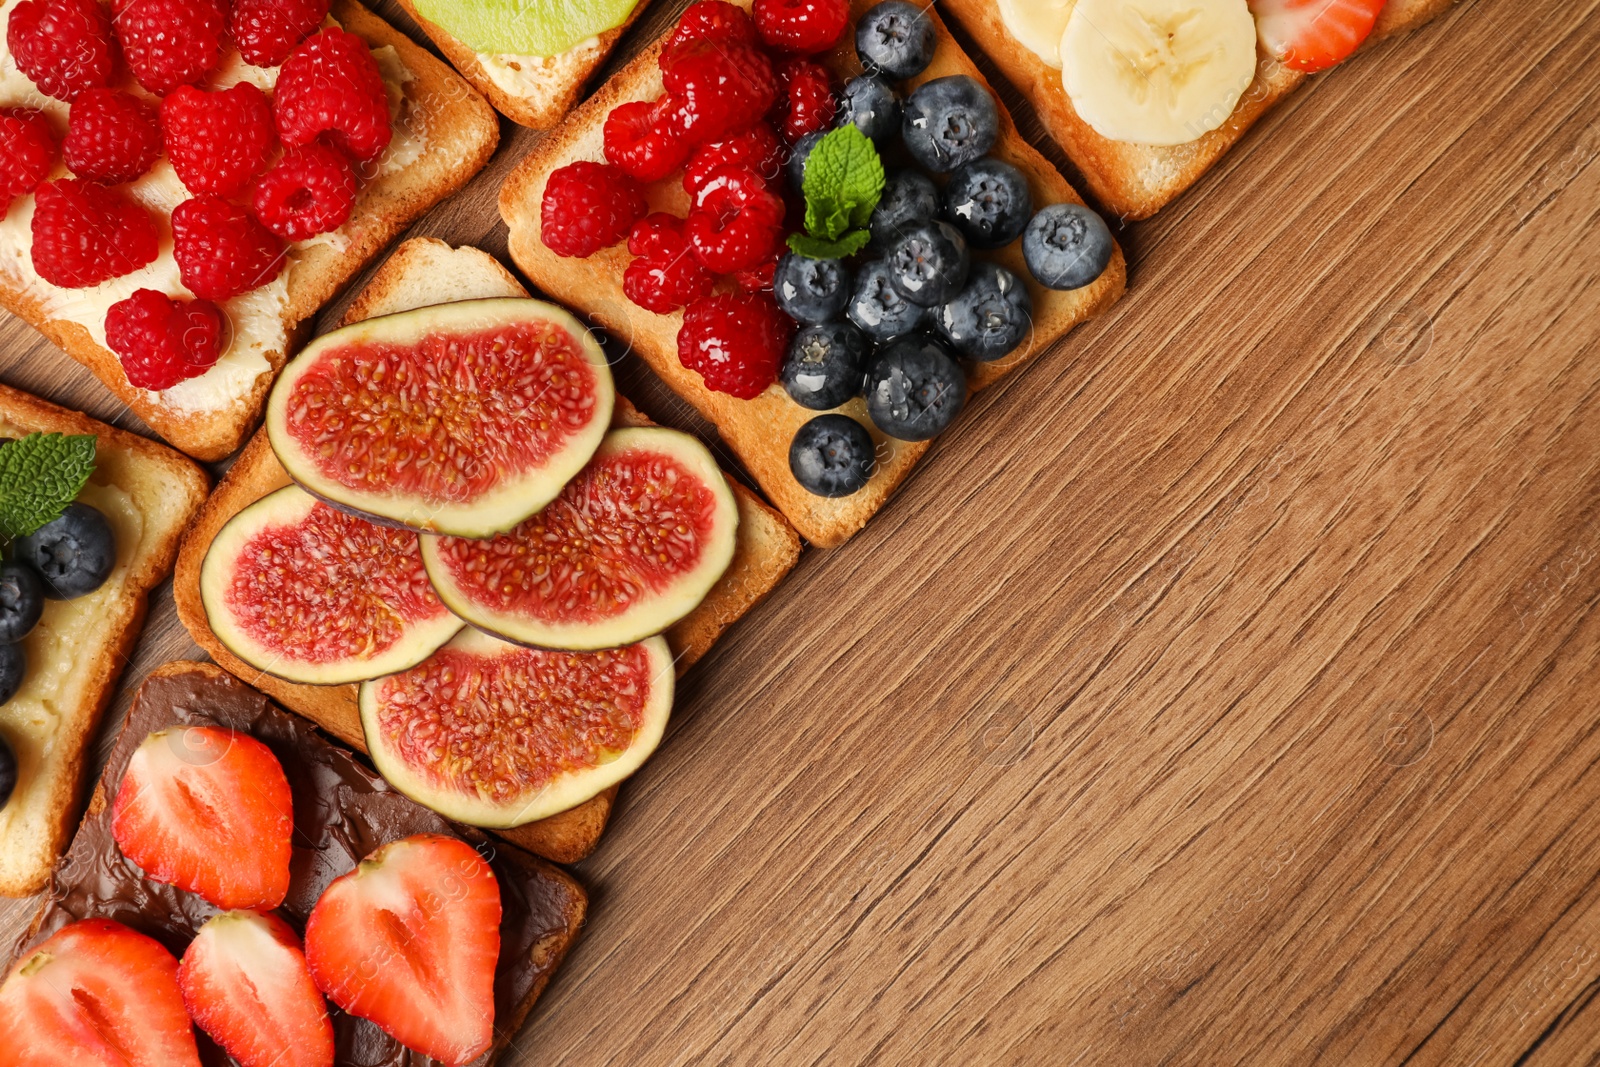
x=245, y=982
x=96, y=994
x=1313, y=35
x=409, y=940
x=208, y=810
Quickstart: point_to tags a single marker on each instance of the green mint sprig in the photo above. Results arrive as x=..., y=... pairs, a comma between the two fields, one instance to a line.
x=844, y=179
x=39, y=476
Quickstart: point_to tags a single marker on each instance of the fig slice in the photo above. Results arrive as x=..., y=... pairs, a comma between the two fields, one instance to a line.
x=494, y=734
x=461, y=418
x=631, y=546
x=307, y=592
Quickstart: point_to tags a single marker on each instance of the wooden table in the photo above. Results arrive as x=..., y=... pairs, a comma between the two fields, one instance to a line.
x=1224, y=687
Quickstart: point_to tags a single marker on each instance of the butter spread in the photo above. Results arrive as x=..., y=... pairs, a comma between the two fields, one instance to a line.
x=532, y=75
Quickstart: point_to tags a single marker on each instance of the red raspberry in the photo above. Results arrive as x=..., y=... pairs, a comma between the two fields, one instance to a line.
x=169, y=43
x=804, y=26
x=27, y=152
x=757, y=148
x=735, y=341
x=218, y=141
x=665, y=276
x=85, y=234
x=311, y=190
x=758, y=279
x=221, y=250
x=640, y=140
x=65, y=46
x=266, y=31
x=331, y=85
x=163, y=341
x=712, y=19
x=588, y=206
x=807, y=104
x=737, y=220
x=718, y=88
x=112, y=137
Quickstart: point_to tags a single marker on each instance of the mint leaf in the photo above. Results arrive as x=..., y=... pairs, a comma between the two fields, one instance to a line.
x=844, y=179
x=39, y=476
x=822, y=248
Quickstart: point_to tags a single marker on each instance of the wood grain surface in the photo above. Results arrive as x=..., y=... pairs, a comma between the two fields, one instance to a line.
x=1222, y=689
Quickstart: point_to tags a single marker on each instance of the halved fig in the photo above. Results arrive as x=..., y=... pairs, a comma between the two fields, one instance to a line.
x=302, y=590
x=462, y=418
x=494, y=734
x=631, y=545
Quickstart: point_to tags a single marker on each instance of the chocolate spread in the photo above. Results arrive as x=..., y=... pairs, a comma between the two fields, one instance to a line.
x=342, y=812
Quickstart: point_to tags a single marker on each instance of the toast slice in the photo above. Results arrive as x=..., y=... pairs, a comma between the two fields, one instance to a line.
x=534, y=91
x=445, y=133
x=759, y=430
x=421, y=272
x=1135, y=180
x=76, y=654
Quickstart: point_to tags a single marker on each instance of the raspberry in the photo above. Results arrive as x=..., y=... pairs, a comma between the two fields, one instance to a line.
x=331, y=85
x=708, y=20
x=588, y=206
x=266, y=31
x=163, y=341
x=27, y=152
x=85, y=234
x=310, y=191
x=64, y=46
x=221, y=250
x=735, y=341
x=112, y=137
x=639, y=139
x=664, y=276
x=718, y=88
x=217, y=141
x=169, y=43
x=807, y=104
x=737, y=220
x=804, y=26
x=757, y=148
x=758, y=279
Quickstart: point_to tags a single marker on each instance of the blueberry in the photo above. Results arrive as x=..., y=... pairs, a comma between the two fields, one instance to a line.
x=8, y=772
x=915, y=388
x=21, y=602
x=928, y=264
x=825, y=365
x=1067, y=246
x=989, y=202
x=870, y=103
x=909, y=196
x=896, y=39
x=13, y=666
x=796, y=167
x=811, y=290
x=950, y=121
x=832, y=455
x=73, y=554
x=989, y=317
x=877, y=306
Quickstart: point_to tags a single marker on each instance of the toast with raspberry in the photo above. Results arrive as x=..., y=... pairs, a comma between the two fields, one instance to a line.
x=440, y=133
x=1135, y=181
x=76, y=653
x=420, y=273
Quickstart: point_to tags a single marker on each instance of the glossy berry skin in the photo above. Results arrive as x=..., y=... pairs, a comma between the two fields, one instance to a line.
x=311, y=190
x=871, y=104
x=990, y=317
x=267, y=31
x=826, y=365
x=27, y=151
x=718, y=87
x=664, y=275
x=1067, y=246
x=806, y=103
x=640, y=140
x=877, y=306
x=21, y=602
x=736, y=222
x=915, y=388
x=218, y=141
x=832, y=456
x=757, y=148
x=811, y=291
x=735, y=342
x=928, y=263
x=909, y=198
x=709, y=20
x=802, y=26
x=169, y=43
x=162, y=341
x=330, y=87
x=588, y=206
x=989, y=202
x=795, y=169
x=895, y=39
x=74, y=553
x=221, y=249
x=8, y=764
x=948, y=122
x=13, y=670
x=64, y=46
x=85, y=234
x=112, y=137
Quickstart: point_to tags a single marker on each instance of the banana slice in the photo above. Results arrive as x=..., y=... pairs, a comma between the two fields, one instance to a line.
x=1157, y=72
x=1037, y=25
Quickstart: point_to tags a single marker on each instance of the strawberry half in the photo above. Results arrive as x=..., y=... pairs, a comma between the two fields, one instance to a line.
x=409, y=940
x=209, y=811
x=96, y=994
x=245, y=982
x=1313, y=35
